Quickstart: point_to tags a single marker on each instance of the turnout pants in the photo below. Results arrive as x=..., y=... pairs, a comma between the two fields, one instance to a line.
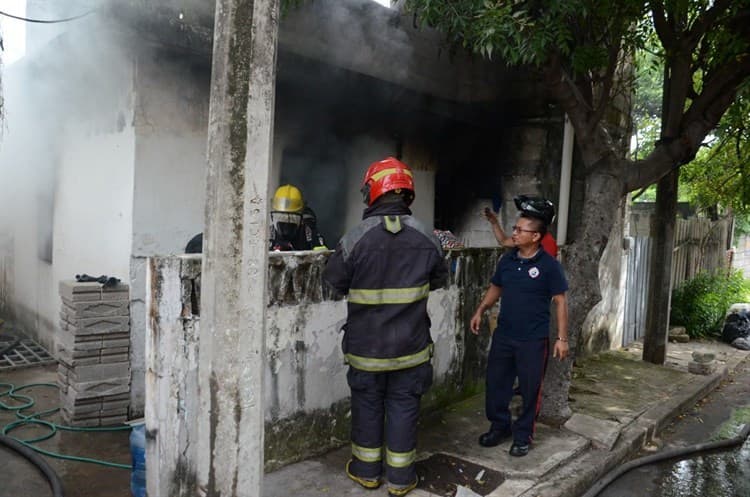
x=385, y=410
x=508, y=359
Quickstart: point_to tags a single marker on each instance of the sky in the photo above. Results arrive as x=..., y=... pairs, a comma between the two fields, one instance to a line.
x=13, y=30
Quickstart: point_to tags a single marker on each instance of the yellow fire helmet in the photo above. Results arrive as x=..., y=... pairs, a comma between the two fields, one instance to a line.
x=287, y=198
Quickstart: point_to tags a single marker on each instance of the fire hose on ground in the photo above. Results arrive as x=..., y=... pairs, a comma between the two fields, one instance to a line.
x=35, y=459
x=31, y=452
x=678, y=452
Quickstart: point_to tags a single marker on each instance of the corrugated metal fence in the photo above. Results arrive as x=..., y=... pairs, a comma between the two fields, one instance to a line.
x=700, y=245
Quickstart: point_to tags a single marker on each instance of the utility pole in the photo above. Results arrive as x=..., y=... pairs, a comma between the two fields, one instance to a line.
x=235, y=259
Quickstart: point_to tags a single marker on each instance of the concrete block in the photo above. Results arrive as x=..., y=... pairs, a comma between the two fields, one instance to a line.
x=115, y=350
x=116, y=343
x=602, y=432
x=67, y=341
x=99, y=339
x=114, y=358
x=83, y=411
x=83, y=423
x=115, y=404
x=99, y=388
x=97, y=309
x=84, y=361
x=81, y=297
x=113, y=420
x=116, y=296
x=101, y=325
x=702, y=368
x=69, y=288
x=677, y=330
x=703, y=356
x=81, y=374
x=108, y=413
x=67, y=354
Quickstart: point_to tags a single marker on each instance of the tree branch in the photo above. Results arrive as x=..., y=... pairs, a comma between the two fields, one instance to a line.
x=663, y=30
x=718, y=93
x=609, y=77
x=702, y=117
x=704, y=22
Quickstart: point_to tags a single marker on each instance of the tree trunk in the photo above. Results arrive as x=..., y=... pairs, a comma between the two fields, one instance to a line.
x=581, y=263
x=660, y=289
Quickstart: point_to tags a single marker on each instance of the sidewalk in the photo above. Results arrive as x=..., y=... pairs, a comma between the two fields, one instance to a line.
x=619, y=403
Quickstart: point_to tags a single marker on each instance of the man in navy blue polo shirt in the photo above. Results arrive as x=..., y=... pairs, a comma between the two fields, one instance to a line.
x=527, y=278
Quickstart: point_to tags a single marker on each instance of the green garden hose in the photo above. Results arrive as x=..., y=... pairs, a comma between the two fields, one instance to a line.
x=24, y=402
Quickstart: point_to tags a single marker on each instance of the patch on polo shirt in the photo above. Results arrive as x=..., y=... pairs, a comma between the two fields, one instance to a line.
x=534, y=272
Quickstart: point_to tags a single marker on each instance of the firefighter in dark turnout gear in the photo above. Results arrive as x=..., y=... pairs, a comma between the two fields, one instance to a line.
x=387, y=266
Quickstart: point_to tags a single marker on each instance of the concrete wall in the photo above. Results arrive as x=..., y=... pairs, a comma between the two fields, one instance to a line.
x=525, y=161
x=171, y=123
x=741, y=257
x=93, y=205
x=306, y=394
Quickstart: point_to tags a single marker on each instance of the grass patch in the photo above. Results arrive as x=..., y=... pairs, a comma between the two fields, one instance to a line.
x=732, y=427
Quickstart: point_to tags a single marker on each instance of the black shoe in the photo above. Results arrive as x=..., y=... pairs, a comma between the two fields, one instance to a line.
x=519, y=450
x=493, y=438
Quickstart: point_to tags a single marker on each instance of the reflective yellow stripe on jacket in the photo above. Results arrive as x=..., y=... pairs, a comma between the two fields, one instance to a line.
x=391, y=364
x=388, y=295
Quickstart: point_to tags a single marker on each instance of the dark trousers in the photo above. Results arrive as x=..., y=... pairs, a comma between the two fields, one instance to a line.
x=508, y=359
x=385, y=408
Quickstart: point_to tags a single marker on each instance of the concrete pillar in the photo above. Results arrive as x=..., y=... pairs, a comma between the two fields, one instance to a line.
x=233, y=307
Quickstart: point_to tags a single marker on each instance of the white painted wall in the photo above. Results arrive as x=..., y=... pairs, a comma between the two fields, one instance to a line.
x=93, y=204
x=171, y=123
x=66, y=165
x=305, y=368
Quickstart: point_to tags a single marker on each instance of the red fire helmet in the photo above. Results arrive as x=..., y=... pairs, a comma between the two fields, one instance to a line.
x=387, y=175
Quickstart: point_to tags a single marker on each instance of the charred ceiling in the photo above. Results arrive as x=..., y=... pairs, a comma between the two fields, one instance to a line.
x=353, y=35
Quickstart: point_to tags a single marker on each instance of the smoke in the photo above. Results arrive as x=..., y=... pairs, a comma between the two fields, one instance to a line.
x=71, y=85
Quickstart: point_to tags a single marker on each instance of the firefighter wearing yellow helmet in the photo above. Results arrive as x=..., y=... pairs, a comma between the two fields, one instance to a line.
x=293, y=224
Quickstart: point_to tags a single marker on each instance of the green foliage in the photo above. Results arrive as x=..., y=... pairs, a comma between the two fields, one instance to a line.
x=647, y=97
x=741, y=225
x=530, y=31
x=720, y=173
x=700, y=304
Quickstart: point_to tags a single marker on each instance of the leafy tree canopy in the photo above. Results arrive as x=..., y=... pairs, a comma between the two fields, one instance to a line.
x=584, y=43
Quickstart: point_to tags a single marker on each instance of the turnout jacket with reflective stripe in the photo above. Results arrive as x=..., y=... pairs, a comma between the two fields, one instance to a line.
x=386, y=266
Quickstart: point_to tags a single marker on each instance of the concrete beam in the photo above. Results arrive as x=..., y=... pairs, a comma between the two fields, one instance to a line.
x=358, y=35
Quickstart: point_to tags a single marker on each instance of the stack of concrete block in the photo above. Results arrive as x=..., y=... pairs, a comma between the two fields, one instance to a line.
x=93, y=351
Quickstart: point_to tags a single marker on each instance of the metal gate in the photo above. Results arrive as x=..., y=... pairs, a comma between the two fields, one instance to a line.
x=6, y=275
x=636, y=289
